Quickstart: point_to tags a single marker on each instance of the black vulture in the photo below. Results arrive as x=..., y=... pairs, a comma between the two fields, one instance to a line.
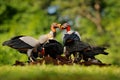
x=72, y=43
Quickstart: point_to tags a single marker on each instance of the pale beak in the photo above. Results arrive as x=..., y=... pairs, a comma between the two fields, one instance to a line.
x=59, y=25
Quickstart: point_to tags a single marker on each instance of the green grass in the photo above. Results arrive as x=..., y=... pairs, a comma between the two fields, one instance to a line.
x=50, y=72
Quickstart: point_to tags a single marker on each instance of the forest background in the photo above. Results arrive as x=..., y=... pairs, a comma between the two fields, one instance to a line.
x=97, y=21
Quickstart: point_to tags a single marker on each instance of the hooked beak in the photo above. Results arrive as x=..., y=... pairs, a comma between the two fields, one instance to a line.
x=59, y=25
x=62, y=27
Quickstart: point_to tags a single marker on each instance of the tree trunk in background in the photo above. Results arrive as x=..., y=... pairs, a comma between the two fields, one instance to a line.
x=96, y=18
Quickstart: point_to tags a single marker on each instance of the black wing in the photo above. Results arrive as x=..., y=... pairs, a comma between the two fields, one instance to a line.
x=53, y=48
x=99, y=50
x=94, y=51
x=17, y=44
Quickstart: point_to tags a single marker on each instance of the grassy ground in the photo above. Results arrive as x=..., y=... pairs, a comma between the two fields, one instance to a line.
x=49, y=72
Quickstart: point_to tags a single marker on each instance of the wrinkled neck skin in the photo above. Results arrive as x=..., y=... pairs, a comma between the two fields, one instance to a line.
x=53, y=32
x=53, y=29
x=52, y=35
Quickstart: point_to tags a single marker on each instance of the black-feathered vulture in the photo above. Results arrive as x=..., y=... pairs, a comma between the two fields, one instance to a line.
x=72, y=43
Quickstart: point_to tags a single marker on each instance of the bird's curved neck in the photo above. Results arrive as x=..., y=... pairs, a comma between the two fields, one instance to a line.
x=53, y=29
x=68, y=28
x=51, y=35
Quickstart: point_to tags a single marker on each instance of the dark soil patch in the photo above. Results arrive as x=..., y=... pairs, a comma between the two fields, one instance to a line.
x=61, y=60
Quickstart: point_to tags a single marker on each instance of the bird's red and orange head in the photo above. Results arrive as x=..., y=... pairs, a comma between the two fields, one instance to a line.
x=54, y=26
x=65, y=26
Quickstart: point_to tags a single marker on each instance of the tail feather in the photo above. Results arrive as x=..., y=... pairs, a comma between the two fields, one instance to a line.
x=105, y=53
x=5, y=43
x=8, y=42
x=99, y=50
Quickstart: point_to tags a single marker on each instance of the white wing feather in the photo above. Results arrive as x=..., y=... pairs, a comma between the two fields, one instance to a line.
x=30, y=40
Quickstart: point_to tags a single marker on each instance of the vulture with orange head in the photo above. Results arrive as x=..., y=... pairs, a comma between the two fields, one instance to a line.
x=51, y=46
x=30, y=45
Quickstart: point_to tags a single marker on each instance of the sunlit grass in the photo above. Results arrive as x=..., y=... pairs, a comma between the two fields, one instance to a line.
x=50, y=72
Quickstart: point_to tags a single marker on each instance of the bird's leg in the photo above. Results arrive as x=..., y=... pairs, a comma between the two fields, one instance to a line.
x=77, y=57
x=29, y=53
x=81, y=56
x=67, y=54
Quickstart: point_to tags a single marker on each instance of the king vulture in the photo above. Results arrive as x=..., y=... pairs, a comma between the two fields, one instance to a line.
x=50, y=46
x=72, y=43
x=29, y=45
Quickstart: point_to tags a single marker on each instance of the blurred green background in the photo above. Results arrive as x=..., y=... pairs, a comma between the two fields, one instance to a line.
x=97, y=21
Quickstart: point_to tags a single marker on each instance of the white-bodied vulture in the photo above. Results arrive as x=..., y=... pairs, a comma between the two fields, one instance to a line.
x=29, y=45
x=24, y=44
